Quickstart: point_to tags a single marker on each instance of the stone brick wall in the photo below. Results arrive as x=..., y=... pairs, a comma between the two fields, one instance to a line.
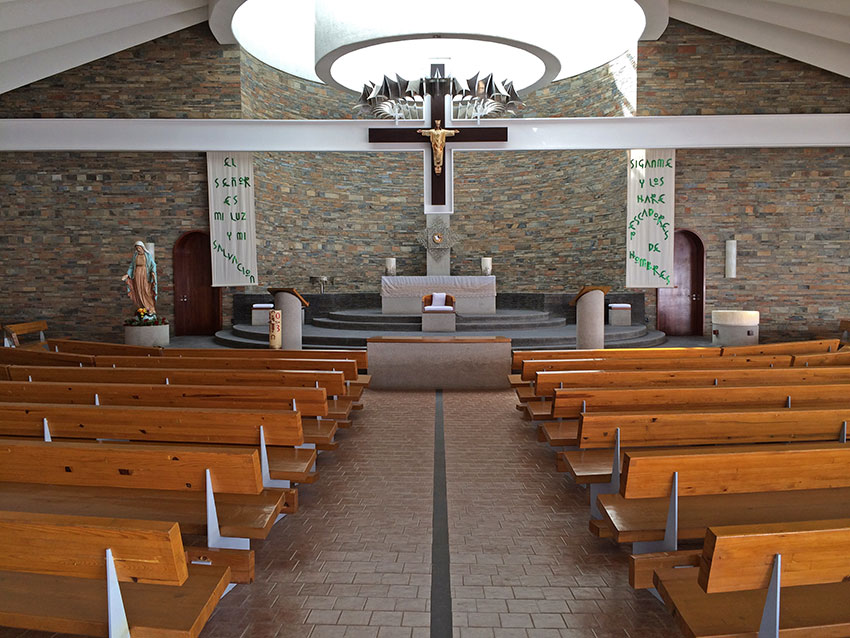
x=551, y=220
x=186, y=74
x=787, y=207
x=69, y=220
x=69, y=224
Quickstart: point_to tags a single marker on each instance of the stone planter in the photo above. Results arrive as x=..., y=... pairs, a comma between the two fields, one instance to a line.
x=146, y=335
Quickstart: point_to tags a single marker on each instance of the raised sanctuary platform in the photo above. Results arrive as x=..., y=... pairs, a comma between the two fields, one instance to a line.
x=473, y=295
x=531, y=320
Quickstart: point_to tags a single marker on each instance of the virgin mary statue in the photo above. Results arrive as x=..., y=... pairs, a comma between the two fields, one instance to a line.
x=141, y=279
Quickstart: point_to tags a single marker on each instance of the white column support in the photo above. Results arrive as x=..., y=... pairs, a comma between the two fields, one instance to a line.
x=670, y=543
x=214, y=537
x=268, y=481
x=116, y=616
x=612, y=486
x=769, y=627
x=47, y=436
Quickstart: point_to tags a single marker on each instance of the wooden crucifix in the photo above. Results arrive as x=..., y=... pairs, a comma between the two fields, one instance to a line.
x=427, y=136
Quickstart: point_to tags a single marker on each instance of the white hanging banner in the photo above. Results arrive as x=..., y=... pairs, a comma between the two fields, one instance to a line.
x=649, y=225
x=233, y=243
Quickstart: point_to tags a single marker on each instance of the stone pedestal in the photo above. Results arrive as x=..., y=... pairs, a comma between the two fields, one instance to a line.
x=289, y=302
x=734, y=327
x=260, y=313
x=438, y=322
x=448, y=363
x=590, y=317
x=146, y=335
x=619, y=314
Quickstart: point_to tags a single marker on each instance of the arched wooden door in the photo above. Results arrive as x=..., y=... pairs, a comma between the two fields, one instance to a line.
x=681, y=310
x=197, y=305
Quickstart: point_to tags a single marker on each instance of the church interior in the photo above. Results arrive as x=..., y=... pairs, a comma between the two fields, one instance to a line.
x=460, y=492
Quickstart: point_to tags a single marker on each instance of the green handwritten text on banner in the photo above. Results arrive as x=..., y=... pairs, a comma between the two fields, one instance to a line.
x=233, y=244
x=649, y=222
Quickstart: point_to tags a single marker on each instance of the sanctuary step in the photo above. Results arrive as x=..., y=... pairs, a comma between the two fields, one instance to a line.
x=374, y=320
x=535, y=337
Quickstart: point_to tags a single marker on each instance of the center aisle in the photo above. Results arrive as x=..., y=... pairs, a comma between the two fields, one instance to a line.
x=523, y=562
x=355, y=560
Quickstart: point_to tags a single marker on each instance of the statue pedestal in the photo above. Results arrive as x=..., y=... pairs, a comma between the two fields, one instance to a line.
x=590, y=317
x=289, y=302
x=146, y=335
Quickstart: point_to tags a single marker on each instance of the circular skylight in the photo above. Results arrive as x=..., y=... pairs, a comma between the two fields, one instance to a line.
x=346, y=44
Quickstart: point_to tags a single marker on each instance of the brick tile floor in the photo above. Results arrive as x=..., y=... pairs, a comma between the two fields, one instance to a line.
x=354, y=562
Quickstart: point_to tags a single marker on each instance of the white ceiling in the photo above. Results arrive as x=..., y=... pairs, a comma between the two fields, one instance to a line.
x=39, y=38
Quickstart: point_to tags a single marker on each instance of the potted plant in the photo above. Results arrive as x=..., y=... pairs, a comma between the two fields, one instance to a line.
x=146, y=329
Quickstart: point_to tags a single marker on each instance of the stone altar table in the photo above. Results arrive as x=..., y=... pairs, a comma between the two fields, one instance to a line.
x=433, y=363
x=473, y=295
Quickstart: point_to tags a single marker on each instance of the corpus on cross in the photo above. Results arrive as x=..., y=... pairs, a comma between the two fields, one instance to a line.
x=435, y=137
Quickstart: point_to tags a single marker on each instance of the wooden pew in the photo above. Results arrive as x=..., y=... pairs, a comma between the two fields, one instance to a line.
x=654, y=428
x=725, y=595
x=13, y=332
x=212, y=426
x=144, y=416
x=308, y=401
x=319, y=432
x=569, y=403
x=75, y=346
x=518, y=356
x=746, y=484
x=788, y=347
x=360, y=356
x=143, y=481
x=531, y=368
x=548, y=381
x=22, y=356
x=735, y=469
x=841, y=358
x=347, y=366
x=54, y=575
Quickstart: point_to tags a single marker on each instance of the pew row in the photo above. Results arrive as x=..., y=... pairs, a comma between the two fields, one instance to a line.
x=772, y=579
x=569, y=403
x=142, y=481
x=743, y=485
x=142, y=423
x=57, y=573
x=547, y=382
x=310, y=402
x=319, y=432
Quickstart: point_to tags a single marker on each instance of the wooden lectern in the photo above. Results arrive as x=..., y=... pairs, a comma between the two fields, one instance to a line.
x=590, y=317
x=289, y=302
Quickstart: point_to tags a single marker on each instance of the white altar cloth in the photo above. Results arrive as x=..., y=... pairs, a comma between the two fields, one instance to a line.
x=473, y=295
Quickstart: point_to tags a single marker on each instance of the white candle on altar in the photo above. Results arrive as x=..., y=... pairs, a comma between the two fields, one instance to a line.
x=390, y=266
x=487, y=266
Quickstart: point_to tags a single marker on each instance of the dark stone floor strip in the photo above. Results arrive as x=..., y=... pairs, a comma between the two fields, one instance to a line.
x=441, y=585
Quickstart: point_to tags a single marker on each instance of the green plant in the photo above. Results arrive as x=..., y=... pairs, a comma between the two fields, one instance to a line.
x=145, y=318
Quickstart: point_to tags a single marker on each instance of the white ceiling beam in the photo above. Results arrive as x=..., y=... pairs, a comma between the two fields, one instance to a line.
x=51, y=34
x=716, y=131
x=53, y=46
x=15, y=14
x=818, y=37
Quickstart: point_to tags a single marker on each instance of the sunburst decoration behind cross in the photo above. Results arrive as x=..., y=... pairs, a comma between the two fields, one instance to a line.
x=437, y=239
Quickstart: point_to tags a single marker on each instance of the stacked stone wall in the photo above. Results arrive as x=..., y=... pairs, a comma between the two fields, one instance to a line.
x=787, y=207
x=551, y=220
x=69, y=220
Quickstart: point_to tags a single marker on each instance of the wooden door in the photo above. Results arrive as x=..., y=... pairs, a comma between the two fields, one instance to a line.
x=197, y=305
x=681, y=309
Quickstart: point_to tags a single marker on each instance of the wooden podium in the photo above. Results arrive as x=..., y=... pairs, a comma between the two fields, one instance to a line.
x=289, y=302
x=590, y=317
